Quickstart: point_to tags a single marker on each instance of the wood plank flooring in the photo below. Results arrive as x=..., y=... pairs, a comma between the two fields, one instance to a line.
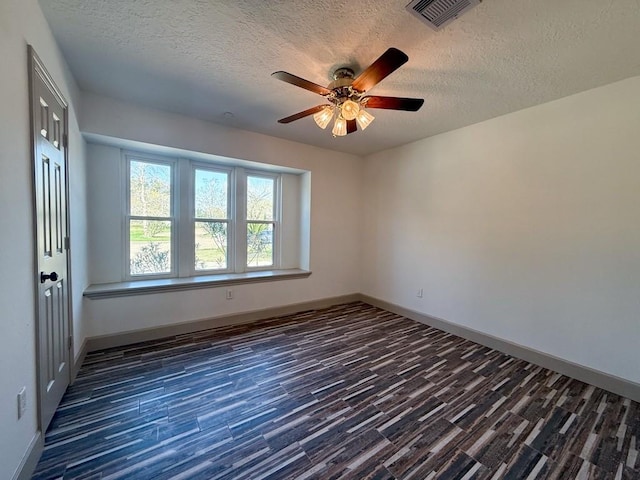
x=347, y=392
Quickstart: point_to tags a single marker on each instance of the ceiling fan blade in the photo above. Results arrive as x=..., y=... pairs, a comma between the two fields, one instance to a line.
x=352, y=126
x=301, y=82
x=299, y=115
x=393, y=103
x=387, y=63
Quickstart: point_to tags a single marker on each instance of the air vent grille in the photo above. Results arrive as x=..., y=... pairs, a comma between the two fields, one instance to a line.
x=438, y=13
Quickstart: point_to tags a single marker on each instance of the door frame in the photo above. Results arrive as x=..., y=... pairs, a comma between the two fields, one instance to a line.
x=37, y=70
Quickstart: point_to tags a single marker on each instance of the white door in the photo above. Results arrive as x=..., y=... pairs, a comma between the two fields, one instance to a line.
x=49, y=120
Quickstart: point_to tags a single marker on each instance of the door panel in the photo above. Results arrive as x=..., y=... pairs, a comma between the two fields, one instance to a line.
x=49, y=112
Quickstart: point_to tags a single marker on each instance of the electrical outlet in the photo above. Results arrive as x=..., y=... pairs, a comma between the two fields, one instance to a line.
x=22, y=402
x=229, y=294
x=419, y=293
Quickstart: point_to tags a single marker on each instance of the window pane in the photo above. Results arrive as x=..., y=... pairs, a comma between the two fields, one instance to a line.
x=149, y=247
x=211, y=194
x=260, y=201
x=259, y=244
x=150, y=189
x=211, y=245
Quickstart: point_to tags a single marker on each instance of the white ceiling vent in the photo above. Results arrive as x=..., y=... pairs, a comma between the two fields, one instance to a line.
x=438, y=13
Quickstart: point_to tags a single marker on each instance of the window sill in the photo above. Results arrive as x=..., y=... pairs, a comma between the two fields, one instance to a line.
x=142, y=287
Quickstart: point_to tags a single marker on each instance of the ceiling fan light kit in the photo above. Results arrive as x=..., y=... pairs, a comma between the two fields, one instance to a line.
x=324, y=116
x=349, y=109
x=346, y=95
x=339, y=127
x=364, y=119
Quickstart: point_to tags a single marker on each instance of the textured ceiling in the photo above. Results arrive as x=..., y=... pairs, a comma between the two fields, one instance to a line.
x=206, y=57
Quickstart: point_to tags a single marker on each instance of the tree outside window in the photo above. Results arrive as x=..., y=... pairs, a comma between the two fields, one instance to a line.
x=260, y=220
x=150, y=219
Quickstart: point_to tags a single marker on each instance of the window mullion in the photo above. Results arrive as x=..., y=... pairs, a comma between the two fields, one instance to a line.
x=141, y=217
x=219, y=220
x=277, y=239
x=239, y=220
x=126, y=210
x=183, y=222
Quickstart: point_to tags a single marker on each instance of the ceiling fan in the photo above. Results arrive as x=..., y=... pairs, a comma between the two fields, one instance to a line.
x=346, y=95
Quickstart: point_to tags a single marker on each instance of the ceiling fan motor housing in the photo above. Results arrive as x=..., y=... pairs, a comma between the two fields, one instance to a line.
x=342, y=77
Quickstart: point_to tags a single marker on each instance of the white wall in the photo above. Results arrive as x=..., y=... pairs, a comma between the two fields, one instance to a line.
x=21, y=22
x=525, y=227
x=334, y=216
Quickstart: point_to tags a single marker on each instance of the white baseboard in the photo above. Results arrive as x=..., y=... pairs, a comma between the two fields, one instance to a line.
x=30, y=459
x=77, y=363
x=155, y=333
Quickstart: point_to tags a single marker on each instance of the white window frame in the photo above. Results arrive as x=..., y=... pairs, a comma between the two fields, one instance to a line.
x=127, y=217
x=277, y=215
x=231, y=220
x=183, y=216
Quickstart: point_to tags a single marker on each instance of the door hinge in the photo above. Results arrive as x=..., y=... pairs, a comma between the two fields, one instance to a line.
x=65, y=140
x=70, y=342
x=66, y=243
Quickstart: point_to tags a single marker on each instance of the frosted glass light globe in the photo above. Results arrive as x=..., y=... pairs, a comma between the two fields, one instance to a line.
x=364, y=119
x=350, y=109
x=340, y=127
x=323, y=117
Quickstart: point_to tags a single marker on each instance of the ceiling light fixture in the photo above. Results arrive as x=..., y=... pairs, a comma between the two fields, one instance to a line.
x=324, y=116
x=349, y=109
x=346, y=111
x=347, y=106
x=340, y=127
x=364, y=119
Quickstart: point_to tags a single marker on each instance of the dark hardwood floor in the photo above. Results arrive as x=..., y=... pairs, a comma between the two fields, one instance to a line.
x=347, y=392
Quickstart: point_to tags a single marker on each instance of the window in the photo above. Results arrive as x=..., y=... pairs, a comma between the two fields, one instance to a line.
x=211, y=219
x=150, y=218
x=261, y=223
x=187, y=218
